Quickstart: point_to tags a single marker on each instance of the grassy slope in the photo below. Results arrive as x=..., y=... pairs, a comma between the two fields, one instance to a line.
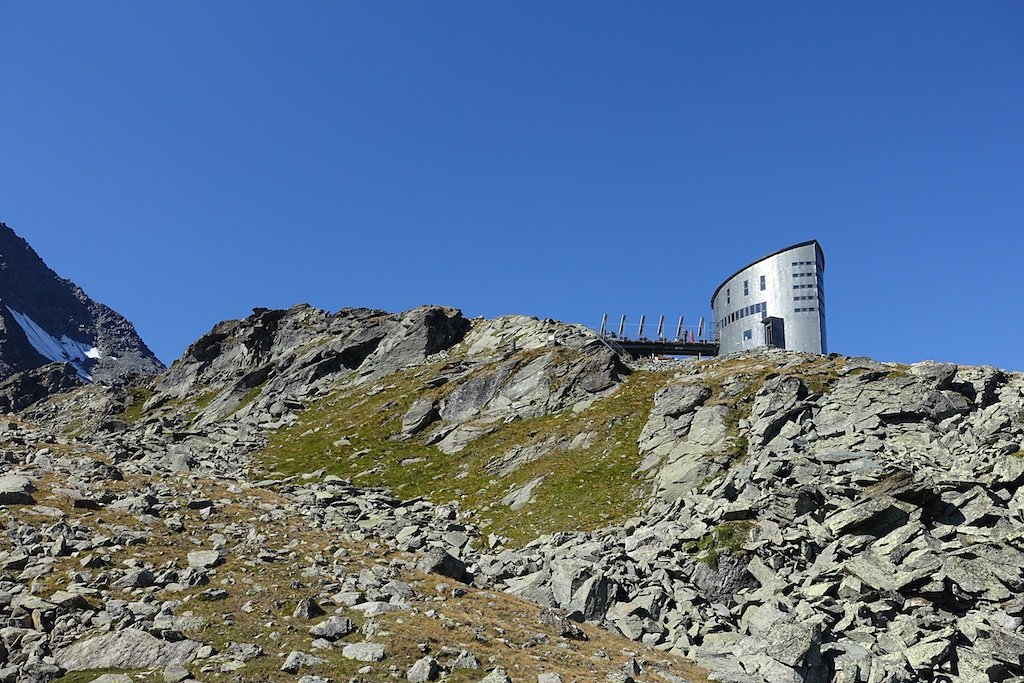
x=351, y=434
x=582, y=489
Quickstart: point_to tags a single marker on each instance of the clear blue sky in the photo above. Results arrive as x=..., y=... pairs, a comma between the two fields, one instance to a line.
x=186, y=161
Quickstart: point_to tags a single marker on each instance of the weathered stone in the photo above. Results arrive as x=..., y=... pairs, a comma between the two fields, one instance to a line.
x=364, y=652
x=204, y=559
x=561, y=624
x=437, y=561
x=425, y=669
x=175, y=674
x=498, y=675
x=332, y=629
x=307, y=608
x=16, y=490
x=244, y=651
x=127, y=649
x=795, y=645
x=419, y=416
x=113, y=678
x=297, y=660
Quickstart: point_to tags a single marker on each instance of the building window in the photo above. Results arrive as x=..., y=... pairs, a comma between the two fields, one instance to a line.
x=762, y=283
x=728, y=297
x=746, y=288
x=748, y=335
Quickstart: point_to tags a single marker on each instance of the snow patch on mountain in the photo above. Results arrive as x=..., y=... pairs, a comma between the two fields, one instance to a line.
x=63, y=350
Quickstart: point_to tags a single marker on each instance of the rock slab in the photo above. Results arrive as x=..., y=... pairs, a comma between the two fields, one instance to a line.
x=127, y=649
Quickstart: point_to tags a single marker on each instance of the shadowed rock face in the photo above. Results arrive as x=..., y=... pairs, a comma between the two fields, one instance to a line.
x=25, y=388
x=45, y=318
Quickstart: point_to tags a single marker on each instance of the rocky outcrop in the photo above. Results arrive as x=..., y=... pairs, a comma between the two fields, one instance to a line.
x=300, y=353
x=868, y=532
x=127, y=649
x=45, y=318
x=22, y=389
x=805, y=518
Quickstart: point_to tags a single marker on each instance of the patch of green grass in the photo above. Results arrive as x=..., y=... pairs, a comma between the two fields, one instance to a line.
x=821, y=381
x=251, y=395
x=898, y=370
x=726, y=536
x=582, y=488
x=205, y=399
x=137, y=397
x=1018, y=454
x=738, y=442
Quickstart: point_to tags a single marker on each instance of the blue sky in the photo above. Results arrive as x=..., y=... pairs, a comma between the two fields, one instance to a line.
x=184, y=162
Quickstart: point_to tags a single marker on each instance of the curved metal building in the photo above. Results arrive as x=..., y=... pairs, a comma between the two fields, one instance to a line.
x=778, y=300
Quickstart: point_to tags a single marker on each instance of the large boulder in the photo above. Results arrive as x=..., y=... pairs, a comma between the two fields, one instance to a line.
x=16, y=490
x=128, y=649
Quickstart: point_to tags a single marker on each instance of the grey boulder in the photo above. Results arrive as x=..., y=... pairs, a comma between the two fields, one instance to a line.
x=128, y=649
x=16, y=490
x=364, y=652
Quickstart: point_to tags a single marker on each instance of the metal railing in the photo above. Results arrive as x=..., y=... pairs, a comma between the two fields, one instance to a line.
x=704, y=331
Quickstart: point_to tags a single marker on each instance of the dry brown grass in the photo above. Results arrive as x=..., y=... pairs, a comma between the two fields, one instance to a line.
x=500, y=629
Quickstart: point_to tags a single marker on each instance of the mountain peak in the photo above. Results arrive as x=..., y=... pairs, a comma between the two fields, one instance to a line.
x=45, y=318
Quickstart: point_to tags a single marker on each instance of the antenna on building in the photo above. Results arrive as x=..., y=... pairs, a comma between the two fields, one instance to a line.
x=661, y=327
x=640, y=335
x=622, y=325
x=604, y=323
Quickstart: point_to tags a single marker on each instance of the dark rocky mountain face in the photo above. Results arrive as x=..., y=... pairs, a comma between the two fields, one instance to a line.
x=47, y=319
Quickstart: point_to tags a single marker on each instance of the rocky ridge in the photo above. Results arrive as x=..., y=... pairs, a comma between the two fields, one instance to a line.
x=47, y=319
x=773, y=516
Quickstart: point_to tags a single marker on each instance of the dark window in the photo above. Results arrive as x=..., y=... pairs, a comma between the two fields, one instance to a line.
x=746, y=288
x=762, y=283
x=748, y=335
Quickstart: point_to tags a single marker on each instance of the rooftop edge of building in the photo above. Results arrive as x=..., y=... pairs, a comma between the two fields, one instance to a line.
x=817, y=247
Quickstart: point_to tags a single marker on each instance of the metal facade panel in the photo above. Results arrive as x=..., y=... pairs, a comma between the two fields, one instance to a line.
x=794, y=293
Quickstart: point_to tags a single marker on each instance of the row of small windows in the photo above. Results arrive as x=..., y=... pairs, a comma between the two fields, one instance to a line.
x=805, y=310
x=809, y=297
x=743, y=313
x=804, y=274
x=803, y=263
x=809, y=286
